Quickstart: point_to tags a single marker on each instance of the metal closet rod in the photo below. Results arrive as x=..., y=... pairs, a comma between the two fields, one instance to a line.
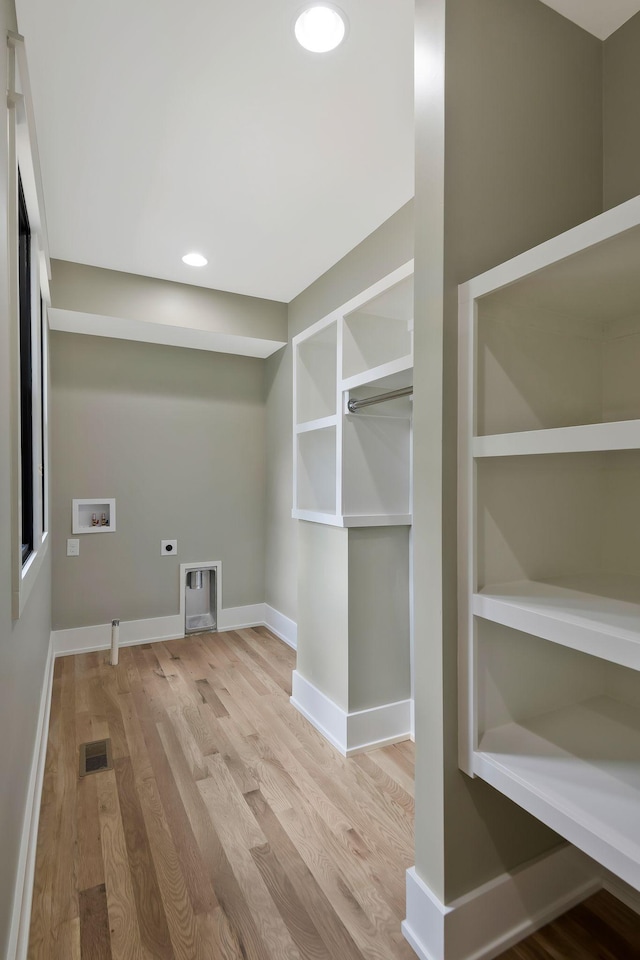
x=354, y=405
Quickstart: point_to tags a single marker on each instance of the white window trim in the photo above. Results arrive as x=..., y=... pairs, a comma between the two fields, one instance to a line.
x=23, y=156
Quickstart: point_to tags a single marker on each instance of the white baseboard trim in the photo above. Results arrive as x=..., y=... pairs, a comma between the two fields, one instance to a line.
x=351, y=733
x=283, y=627
x=325, y=715
x=495, y=916
x=378, y=726
x=237, y=618
x=21, y=915
x=98, y=637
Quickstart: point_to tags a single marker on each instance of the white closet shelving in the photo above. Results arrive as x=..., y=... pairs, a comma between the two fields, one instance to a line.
x=354, y=469
x=549, y=534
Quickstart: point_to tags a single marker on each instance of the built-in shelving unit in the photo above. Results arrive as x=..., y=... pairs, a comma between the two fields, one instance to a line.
x=354, y=469
x=549, y=534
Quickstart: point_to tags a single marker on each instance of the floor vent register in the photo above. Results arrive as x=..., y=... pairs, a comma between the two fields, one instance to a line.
x=95, y=757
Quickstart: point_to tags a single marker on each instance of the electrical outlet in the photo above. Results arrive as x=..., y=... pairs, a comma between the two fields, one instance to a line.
x=73, y=548
x=168, y=548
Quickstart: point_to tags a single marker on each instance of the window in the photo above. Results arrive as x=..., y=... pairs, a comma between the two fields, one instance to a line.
x=43, y=417
x=28, y=297
x=26, y=376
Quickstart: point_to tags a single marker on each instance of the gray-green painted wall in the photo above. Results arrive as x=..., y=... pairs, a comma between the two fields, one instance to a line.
x=177, y=436
x=621, y=53
x=518, y=160
x=24, y=643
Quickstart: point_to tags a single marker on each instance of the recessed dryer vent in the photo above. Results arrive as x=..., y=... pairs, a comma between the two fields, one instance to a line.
x=199, y=596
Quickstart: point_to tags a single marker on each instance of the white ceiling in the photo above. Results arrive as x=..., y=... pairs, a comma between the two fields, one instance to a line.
x=169, y=126
x=599, y=17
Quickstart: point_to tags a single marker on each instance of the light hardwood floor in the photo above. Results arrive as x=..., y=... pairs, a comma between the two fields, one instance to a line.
x=228, y=827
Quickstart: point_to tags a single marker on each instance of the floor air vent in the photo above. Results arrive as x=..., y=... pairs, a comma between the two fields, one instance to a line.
x=95, y=756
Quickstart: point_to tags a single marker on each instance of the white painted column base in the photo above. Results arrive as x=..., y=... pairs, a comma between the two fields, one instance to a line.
x=353, y=732
x=492, y=918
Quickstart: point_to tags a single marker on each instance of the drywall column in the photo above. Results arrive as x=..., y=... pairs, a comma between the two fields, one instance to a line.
x=508, y=97
x=347, y=671
x=323, y=609
x=353, y=631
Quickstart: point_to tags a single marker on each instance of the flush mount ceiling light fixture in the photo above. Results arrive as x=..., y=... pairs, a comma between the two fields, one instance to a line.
x=321, y=27
x=195, y=260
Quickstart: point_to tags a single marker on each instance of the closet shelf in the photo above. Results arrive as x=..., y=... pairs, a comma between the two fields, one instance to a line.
x=578, y=770
x=549, y=473
x=322, y=423
x=619, y=435
x=317, y=516
x=355, y=470
x=391, y=375
x=377, y=520
x=597, y=614
x=354, y=520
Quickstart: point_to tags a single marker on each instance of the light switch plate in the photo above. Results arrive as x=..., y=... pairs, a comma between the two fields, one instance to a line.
x=73, y=548
x=168, y=548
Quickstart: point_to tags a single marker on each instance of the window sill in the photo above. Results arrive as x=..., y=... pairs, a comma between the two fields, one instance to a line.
x=30, y=571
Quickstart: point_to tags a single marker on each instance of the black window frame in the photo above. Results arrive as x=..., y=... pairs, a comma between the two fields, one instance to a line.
x=26, y=378
x=43, y=424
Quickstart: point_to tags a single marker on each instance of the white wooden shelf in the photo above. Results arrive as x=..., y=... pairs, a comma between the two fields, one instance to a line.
x=578, y=770
x=389, y=376
x=377, y=520
x=620, y=435
x=356, y=520
x=549, y=534
x=321, y=424
x=354, y=470
x=317, y=516
x=598, y=614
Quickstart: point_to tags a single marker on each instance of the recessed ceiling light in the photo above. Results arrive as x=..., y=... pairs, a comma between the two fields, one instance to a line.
x=321, y=28
x=195, y=260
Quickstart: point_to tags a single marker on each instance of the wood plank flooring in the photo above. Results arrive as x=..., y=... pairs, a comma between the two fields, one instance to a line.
x=228, y=829
x=600, y=928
